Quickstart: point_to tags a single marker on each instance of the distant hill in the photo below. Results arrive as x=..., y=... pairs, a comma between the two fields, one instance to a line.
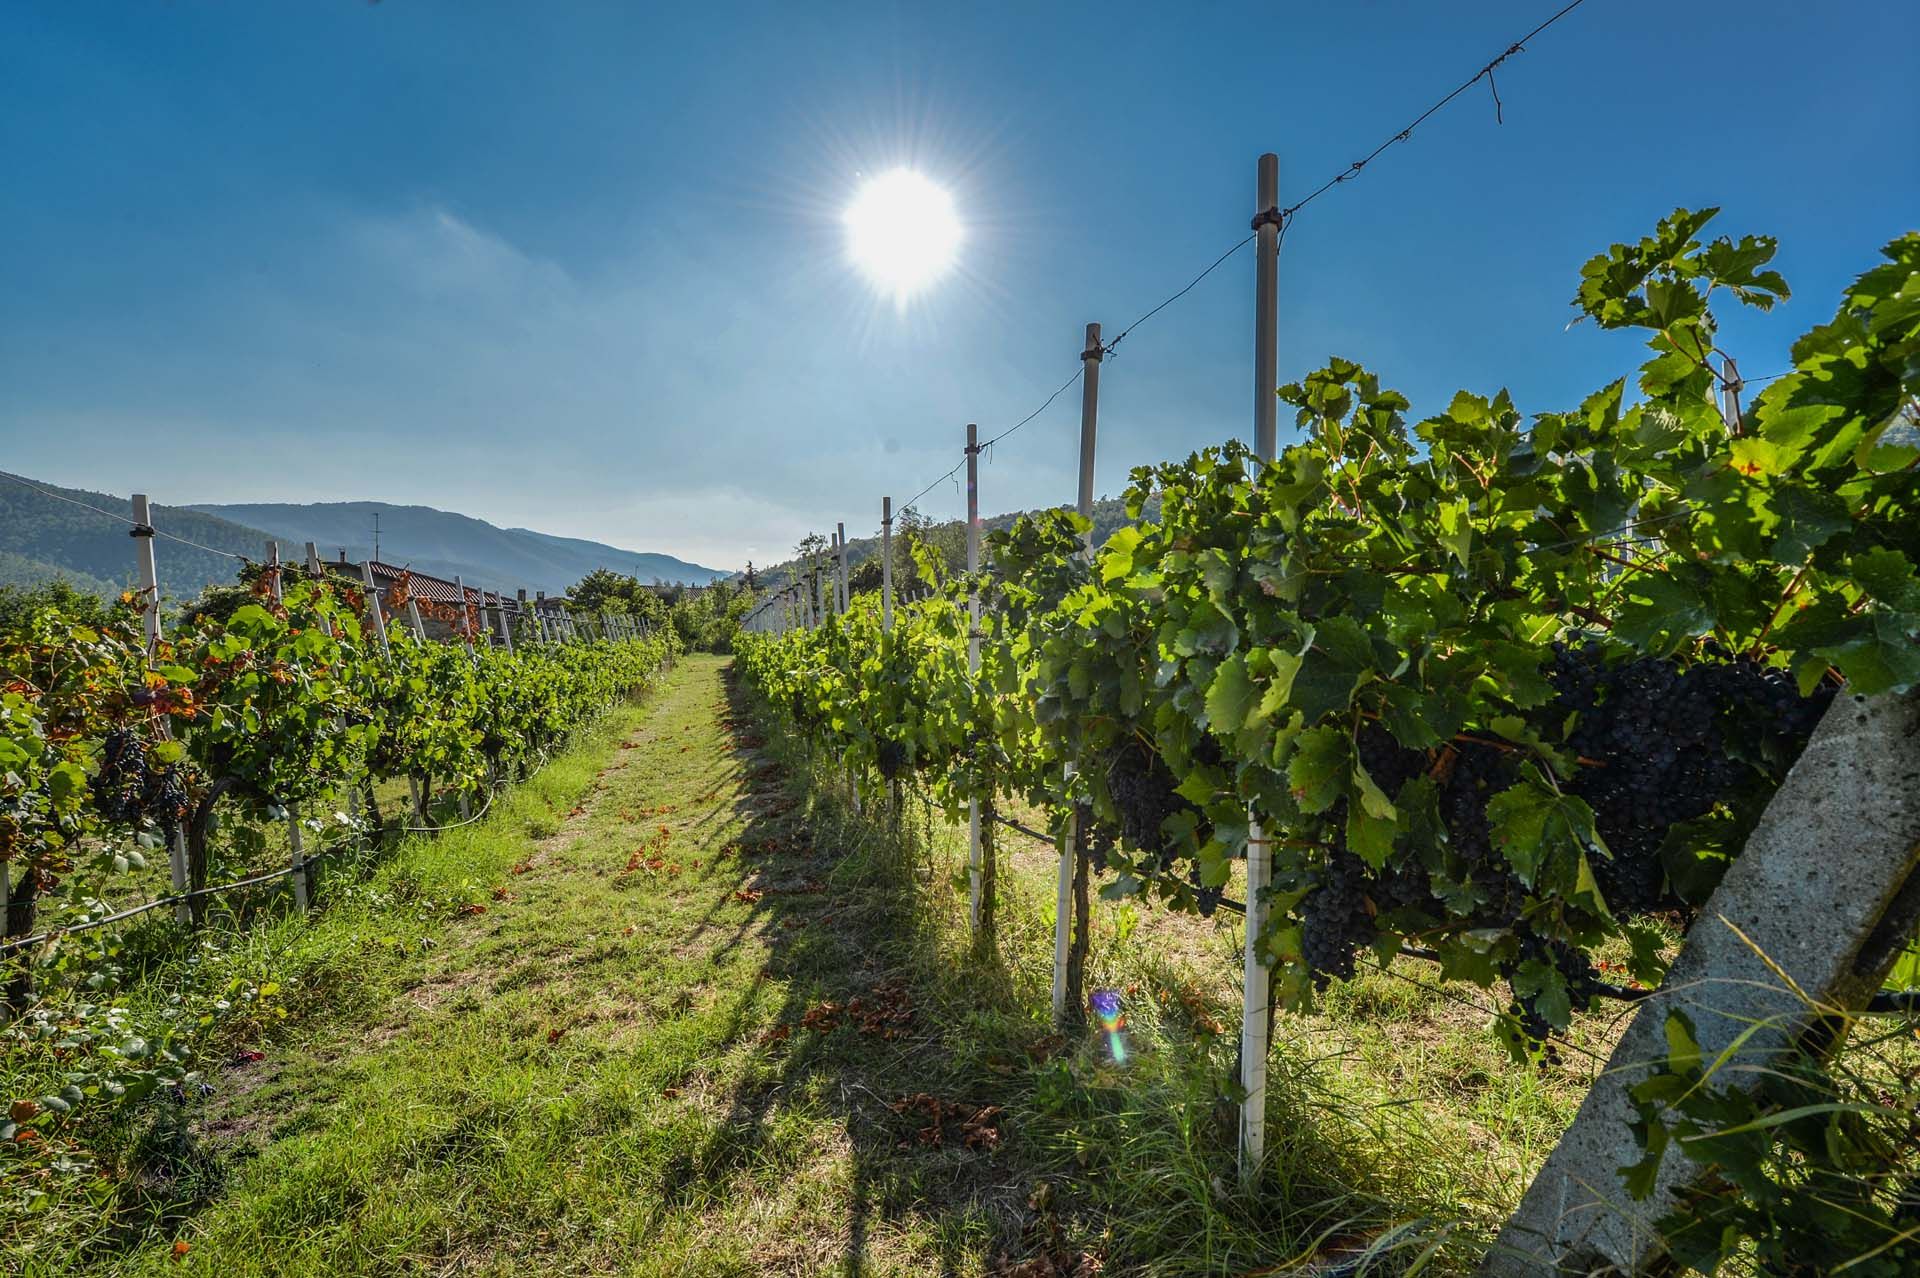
x=449, y=545
x=44, y=537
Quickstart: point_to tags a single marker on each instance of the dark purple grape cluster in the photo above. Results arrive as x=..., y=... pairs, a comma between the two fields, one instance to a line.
x=1141, y=786
x=891, y=758
x=1101, y=839
x=1471, y=774
x=1336, y=921
x=129, y=788
x=1652, y=736
x=1583, y=983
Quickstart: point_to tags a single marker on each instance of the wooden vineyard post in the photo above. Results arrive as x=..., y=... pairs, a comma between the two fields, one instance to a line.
x=150, y=600
x=1804, y=927
x=977, y=885
x=1256, y=977
x=1073, y=913
x=298, y=861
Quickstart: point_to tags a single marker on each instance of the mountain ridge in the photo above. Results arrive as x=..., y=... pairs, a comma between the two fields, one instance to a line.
x=49, y=531
x=449, y=544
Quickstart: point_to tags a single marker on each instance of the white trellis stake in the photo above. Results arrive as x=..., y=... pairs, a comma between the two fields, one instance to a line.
x=1254, y=1027
x=150, y=598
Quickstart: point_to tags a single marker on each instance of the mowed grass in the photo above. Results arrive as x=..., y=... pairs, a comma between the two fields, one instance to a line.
x=700, y=1016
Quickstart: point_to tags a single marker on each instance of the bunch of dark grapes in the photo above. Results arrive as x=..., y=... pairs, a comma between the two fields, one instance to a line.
x=1142, y=788
x=1101, y=838
x=1207, y=898
x=1338, y=912
x=1390, y=764
x=1472, y=774
x=1652, y=737
x=1335, y=919
x=129, y=787
x=1583, y=985
x=890, y=757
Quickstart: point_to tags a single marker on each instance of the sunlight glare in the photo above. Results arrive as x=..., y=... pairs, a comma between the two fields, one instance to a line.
x=902, y=232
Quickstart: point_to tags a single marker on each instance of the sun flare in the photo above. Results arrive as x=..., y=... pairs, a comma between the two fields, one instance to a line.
x=902, y=232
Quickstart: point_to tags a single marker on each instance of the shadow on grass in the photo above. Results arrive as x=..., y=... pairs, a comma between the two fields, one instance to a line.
x=845, y=930
x=1087, y=1159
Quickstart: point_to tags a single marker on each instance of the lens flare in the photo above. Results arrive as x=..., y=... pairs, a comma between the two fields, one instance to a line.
x=1107, y=1009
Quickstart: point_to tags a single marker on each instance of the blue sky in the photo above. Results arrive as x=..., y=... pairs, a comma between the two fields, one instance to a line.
x=579, y=267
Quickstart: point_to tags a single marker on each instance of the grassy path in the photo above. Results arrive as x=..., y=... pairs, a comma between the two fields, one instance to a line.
x=697, y=1017
x=626, y=1064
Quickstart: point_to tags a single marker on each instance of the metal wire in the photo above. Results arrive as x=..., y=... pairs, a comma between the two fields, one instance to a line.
x=1286, y=216
x=127, y=520
x=1354, y=169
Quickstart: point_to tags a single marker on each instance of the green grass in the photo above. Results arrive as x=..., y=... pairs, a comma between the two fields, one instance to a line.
x=620, y=1067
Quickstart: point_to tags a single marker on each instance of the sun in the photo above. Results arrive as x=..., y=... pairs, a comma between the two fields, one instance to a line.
x=902, y=232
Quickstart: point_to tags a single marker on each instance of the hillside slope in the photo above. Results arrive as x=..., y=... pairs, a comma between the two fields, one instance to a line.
x=448, y=544
x=43, y=537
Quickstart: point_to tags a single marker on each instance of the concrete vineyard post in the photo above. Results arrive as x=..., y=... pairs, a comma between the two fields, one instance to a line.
x=150, y=599
x=1813, y=914
x=468, y=625
x=1256, y=977
x=375, y=617
x=1090, y=359
x=840, y=541
x=298, y=863
x=886, y=564
x=469, y=614
x=975, y=880
x=1071, y=907
x=149, y=572
x=1730, y=382
x=318, y=574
